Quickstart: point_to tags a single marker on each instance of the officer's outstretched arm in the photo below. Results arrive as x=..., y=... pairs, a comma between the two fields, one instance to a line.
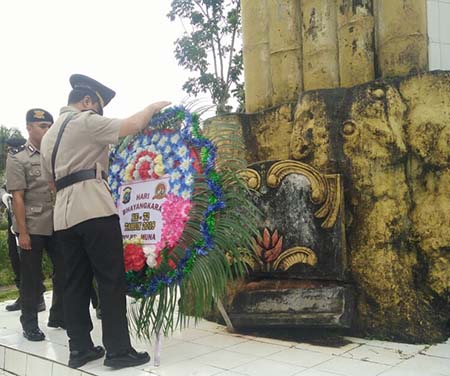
x=19, y=213
x=137, y=122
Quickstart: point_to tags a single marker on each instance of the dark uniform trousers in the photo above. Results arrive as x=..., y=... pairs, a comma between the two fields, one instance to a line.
x=31, y=280
x=94, y=248
x=13, y=252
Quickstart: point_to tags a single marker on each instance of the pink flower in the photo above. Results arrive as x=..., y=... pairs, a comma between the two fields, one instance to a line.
x=175, y=214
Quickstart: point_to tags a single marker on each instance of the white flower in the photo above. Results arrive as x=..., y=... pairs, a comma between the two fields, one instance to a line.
x=175, y=175
x=186, y=194
x=164, y=139
x=150, y=254
x=185, y=164
x=189, y=179
x=183, y=151
x=152, y=148
x=176, y=189
x=115, y=168
x=168, y=149
x=155, y=138
x=175, y=138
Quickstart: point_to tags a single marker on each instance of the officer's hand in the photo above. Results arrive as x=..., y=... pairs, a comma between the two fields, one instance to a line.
x=25, y=242
x=158, y=106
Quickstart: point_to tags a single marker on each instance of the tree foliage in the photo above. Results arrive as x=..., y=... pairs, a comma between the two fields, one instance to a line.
x=5, y=134
x=210, y=47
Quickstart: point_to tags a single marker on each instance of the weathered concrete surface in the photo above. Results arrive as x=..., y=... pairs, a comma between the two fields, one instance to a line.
x=295, y=45
x=390, y=139
x=291, y=304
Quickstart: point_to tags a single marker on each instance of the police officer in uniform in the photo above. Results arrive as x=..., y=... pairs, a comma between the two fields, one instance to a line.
x=14, y=144
x=33, y=224
x=75, y=157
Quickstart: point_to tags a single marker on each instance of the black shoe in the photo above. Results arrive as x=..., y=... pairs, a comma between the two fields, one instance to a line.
x=80, y=358
x=34, y=334
x=130, y=359
x=41, y=305
x=56, y=324
x=14, y=306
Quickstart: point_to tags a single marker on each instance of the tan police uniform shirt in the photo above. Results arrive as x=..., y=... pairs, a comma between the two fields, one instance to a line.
x=84, y=145
x=23, y=173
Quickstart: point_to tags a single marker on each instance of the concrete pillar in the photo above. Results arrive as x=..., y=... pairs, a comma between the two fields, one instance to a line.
x=356, y=41
x=255, y=30
x=285, y=50
x=320, y=45
x=401, y=36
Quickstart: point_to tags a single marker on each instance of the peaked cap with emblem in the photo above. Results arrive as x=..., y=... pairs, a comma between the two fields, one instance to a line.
x=104, y=93
x=38, y=114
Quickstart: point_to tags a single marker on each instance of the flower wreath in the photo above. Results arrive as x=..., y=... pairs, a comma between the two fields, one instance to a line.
x=191, y=253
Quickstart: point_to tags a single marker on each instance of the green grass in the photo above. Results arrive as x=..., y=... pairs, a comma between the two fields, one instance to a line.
x=12, y=293
x=7, y=288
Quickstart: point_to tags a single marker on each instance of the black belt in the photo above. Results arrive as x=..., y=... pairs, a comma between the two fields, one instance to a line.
x=76, y=177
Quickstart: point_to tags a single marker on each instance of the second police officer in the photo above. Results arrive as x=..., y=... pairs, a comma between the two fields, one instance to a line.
x=33, y=224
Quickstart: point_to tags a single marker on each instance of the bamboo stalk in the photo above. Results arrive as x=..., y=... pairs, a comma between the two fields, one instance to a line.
x=255, y=30
x=355, y=22
x=285, y=50
x=320, y=45
x=401, y=34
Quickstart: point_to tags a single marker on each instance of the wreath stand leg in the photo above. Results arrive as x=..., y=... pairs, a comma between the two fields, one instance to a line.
x=225, y=316
x=157, y=350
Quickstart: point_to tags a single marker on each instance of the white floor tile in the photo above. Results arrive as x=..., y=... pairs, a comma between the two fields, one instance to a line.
x=101, y=370
x=2, y=357
x=351, y=367
x=301, y=358
x=220, y=340
x=404, y=348
x=327, y=350
x=186, y=368
x=427, y=365
x=45, y=349
x=225, y=359
x=266, y=367
x=357, y=340
x=15, y=362
x=441, y=350
x=61, y=370
x=182, y=352
x=191, y=334
x=315, y=372
x=256, y=348
x=208, y=349
x=38, y=366
x=374, y=354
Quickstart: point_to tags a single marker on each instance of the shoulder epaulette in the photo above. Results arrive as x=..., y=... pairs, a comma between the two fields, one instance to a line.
x=16, y=149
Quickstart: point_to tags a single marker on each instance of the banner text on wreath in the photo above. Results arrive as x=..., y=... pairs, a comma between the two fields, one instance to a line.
x=140, y=209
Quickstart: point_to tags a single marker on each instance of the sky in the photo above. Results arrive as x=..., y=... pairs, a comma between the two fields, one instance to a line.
x=126, y=45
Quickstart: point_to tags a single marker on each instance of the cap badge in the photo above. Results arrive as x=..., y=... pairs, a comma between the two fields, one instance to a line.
x=38, y=114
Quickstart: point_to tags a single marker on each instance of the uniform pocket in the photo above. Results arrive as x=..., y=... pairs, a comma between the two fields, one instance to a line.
x=34, y=209
x=35, y=169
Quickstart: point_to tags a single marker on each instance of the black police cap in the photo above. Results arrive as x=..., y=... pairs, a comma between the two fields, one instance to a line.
x=38, y=114
x=104, y=93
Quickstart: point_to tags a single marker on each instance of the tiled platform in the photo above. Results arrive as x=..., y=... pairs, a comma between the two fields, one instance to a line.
x=209, y=349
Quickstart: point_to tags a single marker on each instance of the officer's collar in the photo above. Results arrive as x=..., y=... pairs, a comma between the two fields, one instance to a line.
x=66, y=109
x=31, y=148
